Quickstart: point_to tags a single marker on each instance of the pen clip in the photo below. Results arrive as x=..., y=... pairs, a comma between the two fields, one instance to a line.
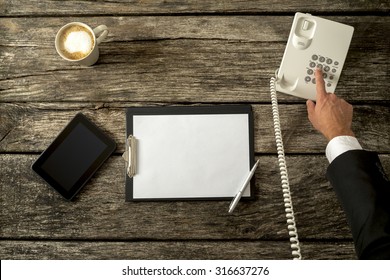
x=130, y=156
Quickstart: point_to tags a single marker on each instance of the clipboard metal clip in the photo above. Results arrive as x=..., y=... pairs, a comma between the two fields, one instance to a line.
x=130, y=156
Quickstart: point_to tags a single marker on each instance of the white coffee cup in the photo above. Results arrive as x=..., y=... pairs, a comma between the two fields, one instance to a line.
x=77, y=42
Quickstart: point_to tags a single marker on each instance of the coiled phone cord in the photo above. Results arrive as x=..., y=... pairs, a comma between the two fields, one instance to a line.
x=291, y=226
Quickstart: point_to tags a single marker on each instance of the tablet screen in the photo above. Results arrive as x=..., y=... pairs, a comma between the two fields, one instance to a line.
x=76, y=153
x=74, y=156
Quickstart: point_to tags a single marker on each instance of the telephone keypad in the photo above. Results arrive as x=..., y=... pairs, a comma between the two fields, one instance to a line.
x=327, y=64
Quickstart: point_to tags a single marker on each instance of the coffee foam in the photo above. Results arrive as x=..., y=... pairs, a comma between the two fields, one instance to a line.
x=76, y=42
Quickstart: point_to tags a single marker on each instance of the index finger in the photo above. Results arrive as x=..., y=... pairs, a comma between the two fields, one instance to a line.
x=320, y=84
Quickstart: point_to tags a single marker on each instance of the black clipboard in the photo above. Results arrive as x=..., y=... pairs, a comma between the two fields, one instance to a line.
x=220, y=144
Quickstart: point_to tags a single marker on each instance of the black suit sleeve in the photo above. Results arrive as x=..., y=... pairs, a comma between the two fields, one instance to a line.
x=364, y=191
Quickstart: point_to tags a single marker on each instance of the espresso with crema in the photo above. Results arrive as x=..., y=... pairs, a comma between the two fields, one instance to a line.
x=76, y=42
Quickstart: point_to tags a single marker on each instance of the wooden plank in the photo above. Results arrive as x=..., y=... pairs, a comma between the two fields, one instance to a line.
x=30, y=209
x=178, y=59
x=226, y=250
x=127, y=7
x=32, y=127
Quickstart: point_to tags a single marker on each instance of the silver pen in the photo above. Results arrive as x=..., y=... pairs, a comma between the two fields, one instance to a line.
x=236, y=199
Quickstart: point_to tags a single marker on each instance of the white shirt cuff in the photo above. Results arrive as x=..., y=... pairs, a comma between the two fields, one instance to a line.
x=340, y=145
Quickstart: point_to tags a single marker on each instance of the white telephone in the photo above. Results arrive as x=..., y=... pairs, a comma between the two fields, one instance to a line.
x=313, y=43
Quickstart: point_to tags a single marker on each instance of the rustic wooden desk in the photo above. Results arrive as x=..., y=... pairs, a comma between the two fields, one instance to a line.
x=164, y=53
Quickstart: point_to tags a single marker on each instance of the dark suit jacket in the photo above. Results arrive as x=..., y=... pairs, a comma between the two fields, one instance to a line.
x=364, y=191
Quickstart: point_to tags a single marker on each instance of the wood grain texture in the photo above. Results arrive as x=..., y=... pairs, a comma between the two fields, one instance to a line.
x=32, y=127
x=192, y=250
x=129, y=7
x=168, y=53
x=31, y=210
x=178, y=59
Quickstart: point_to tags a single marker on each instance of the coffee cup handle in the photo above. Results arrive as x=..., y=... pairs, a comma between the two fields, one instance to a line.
x=103, y=31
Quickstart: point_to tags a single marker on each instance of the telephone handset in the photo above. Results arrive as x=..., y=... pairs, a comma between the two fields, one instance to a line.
x=313, y=43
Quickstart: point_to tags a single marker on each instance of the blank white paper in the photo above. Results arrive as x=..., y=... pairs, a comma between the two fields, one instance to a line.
x=191, y=156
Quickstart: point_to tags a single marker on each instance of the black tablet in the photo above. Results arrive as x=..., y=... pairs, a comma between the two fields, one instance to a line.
x=74, y=156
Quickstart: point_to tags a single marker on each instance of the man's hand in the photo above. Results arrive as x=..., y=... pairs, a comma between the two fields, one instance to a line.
x=330, y=115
